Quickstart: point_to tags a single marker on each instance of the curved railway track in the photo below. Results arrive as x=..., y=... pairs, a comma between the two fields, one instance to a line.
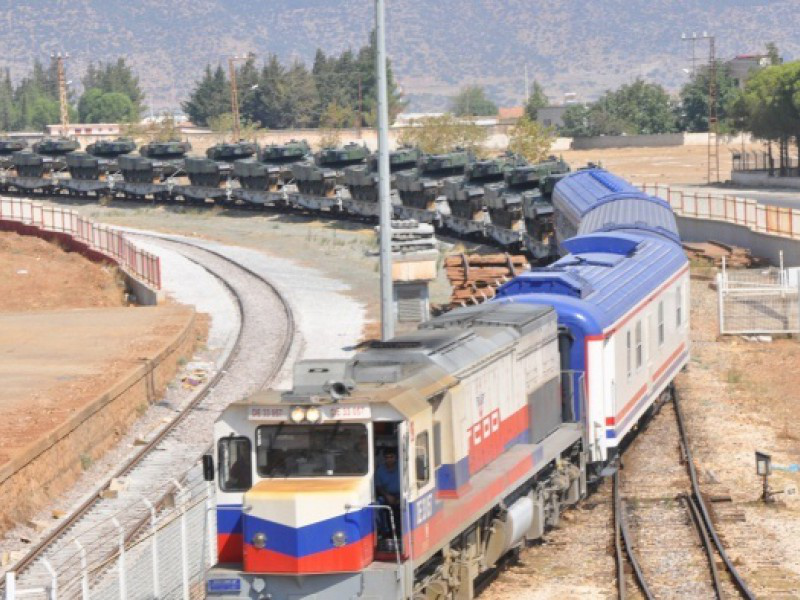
x=153, y=473
x=663, y=529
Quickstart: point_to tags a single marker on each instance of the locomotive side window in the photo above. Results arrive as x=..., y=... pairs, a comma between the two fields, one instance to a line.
x=639, y=349
x=423, y=459
x=437, y=444
x=678, y=306
x=334, y=449
x=661, y=323
x=235, y=464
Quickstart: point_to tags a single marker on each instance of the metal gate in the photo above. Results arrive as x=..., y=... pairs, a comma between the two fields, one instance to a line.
x=758, y=301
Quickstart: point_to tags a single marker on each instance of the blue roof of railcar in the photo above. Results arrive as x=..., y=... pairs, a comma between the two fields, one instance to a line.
x=632, y=213
x=603, y=278
x=597, y=200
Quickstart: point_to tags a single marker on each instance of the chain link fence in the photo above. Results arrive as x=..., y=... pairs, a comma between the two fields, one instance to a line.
x=166, y=558
x=758, y=301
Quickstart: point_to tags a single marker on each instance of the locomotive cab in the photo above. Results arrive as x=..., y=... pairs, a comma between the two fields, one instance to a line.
x=409, y=468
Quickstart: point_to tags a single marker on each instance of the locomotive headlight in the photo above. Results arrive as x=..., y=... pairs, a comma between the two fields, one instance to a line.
x=339, y=539
x=313, y=415
x=297, y=415
x=260, y=539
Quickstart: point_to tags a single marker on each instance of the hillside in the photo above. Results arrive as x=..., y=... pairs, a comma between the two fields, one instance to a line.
x=568, y=45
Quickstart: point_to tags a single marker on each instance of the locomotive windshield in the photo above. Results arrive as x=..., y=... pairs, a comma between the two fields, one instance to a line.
x=334, y=449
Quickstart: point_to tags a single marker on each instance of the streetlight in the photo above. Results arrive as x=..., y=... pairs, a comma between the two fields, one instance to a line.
x=763, y=469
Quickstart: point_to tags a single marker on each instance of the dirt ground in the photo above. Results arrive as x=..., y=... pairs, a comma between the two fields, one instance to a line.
x=672, y=164
x=38, y=275
x=65, y=336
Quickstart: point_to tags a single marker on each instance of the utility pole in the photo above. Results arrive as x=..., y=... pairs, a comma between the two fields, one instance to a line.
x=235, y=95
x=360, y=108
x=62, y=91
x=713, y=124
x=527, y=87
x=387, y=303
x=234, y=98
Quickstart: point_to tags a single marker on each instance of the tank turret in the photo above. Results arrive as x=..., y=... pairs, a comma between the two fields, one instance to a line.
x=111, y=148
x=232, y=152
x=171, y=150
x=56, y=146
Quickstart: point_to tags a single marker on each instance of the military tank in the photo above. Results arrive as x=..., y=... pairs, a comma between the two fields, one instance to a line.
x=320, y=177
x=99, y=159
x=273, y=167
x=217, y=165
x=525, y=197
x=9, y=146
x=362, y=180
x=53, y=151
x=465, y=195
x=420, y=187
x=165, y=159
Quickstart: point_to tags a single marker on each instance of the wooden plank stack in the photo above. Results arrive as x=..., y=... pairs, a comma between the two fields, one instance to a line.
x=476, y=277
x=712, y=253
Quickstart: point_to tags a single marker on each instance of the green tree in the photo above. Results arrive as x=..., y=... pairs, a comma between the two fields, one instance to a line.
x=116, y=78
x=530, y=140
x=210, y=98
x=694, y=100
x=444, y=133
x=96, y=106
x=471, y=101
x=535, y=101
x=771, y=103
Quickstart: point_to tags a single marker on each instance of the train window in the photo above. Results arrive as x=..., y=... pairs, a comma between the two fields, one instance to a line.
x=660, y=323
x=437, y=444
x=423, y=460
x=628, y=351
x=336, y=449
x=639, y=349
x=235, y=464
x=678, y=306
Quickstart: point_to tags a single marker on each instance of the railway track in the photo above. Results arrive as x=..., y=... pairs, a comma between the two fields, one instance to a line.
x=153, y=476
x=662, y=527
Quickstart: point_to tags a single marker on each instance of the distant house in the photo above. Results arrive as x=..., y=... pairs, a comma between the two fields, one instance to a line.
x=510, y=113
x=85, y=129
x=743, y=66
x=551, y=116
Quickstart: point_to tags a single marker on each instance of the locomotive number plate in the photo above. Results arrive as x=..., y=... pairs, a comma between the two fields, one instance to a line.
x=268, y=413
x=346, y=412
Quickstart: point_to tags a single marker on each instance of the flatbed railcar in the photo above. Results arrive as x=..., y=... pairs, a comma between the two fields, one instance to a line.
x=500, y=415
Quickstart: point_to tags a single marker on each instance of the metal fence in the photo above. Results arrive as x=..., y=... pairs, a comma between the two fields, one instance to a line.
x=758, y=160
x=763, y=218
x=758, y=301
x=101, y=238
x=166, y=559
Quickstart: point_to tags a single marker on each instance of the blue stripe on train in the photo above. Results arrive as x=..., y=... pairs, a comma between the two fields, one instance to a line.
x=310, y=539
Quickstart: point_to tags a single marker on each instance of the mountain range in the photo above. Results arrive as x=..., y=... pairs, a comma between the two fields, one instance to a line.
x=436, y=46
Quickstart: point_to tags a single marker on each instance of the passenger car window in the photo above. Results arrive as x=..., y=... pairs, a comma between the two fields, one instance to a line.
x=423, y=460
x=660, y=323
x=235, y=464
x=638, y=344
x=678, y=307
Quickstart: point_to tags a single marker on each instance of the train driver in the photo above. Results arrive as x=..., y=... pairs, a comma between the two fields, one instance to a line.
x=387, y=484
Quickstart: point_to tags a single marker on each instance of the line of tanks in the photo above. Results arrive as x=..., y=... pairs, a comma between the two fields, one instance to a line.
x=504, y=199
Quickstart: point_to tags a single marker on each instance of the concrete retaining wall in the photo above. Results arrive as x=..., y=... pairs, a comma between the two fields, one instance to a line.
x=627, y=141
x=51, y=464
x=760, y=244
x=756, y=179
